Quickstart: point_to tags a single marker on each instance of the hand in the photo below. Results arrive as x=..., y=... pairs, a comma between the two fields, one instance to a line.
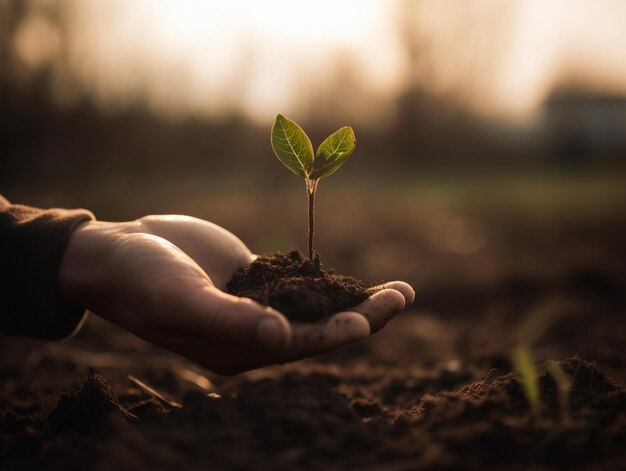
x=162, y=278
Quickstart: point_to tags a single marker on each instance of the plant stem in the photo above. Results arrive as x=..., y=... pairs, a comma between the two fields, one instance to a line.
x=311, y=188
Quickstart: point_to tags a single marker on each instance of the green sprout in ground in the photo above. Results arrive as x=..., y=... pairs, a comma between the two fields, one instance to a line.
x=524, y=364
x=294, y=149
x=564, y=388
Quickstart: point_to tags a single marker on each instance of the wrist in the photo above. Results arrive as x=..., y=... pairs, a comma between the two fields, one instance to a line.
x=81, y=273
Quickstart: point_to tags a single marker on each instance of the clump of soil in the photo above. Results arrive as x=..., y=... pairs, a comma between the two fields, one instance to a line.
x=297, y=286
x=86, y=408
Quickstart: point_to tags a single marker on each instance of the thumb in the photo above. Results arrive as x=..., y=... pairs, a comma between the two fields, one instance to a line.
x=234, y=321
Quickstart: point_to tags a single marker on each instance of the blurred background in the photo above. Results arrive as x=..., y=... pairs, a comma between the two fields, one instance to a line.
x=491, y=135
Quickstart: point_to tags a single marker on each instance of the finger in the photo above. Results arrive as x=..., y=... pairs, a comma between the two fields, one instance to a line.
x=219, y=252
x=381, y=307
x=338, y=330
x=230, y=320
x=308, y=340
x=406, y=289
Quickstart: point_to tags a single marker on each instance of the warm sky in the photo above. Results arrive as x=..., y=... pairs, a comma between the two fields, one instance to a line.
x=260, y=58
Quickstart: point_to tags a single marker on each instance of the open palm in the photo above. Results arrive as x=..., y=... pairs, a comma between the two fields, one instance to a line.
x=162, y=278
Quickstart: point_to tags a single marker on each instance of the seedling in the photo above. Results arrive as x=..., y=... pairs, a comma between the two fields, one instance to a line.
x=294, y=149
x=564, y=388
x=524, y=364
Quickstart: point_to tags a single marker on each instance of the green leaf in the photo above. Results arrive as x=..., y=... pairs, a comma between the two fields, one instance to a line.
x=524, y=364
x=333, y=152
x=292, y=146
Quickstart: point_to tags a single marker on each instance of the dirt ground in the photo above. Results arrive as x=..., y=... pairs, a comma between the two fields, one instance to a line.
x=435, y=389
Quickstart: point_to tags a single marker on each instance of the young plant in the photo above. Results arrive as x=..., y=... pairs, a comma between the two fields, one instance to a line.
x=294, y=149
x=524, y=364
x=564, y=388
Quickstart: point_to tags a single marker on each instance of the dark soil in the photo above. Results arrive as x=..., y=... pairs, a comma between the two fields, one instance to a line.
x=445, y=418
x=297, y=286
x=86, y=408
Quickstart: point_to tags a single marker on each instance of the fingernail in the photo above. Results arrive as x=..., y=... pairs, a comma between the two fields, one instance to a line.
x=271, y=334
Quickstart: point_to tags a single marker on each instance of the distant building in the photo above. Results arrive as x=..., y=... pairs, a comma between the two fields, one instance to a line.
x=581, y=126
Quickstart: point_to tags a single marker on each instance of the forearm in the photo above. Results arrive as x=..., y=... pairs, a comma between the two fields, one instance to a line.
x=32, y=244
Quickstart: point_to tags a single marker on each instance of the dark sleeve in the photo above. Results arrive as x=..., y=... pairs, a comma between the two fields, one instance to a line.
x=32, y=242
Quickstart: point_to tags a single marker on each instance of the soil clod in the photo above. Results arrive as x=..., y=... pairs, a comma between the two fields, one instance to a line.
x=297, y=287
